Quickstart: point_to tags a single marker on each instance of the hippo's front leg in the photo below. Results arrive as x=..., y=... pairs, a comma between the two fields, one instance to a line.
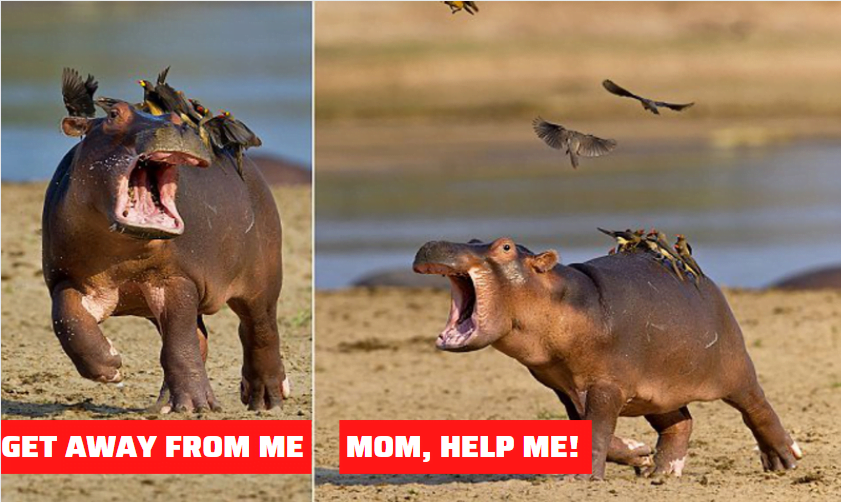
x=78, y=331
x=176, y=305
x=602, y=406
x=621, y=451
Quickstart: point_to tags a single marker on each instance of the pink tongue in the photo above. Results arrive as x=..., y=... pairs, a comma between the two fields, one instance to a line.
x=145, y=205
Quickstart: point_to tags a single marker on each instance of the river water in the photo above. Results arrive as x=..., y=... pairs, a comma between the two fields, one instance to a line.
x=752, y=215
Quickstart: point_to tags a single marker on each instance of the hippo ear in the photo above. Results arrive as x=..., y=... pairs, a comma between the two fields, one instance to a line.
x=75, y=126
x=475, y=241
x=545, y=261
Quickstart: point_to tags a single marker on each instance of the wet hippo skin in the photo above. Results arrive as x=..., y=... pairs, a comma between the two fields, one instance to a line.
x=619, y=335
x=141, y=219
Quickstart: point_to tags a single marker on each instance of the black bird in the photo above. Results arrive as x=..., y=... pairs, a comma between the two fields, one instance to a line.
x=648, y=104
x=78, y=93
x=152, y=101
x=573, y=142
x=226, y=132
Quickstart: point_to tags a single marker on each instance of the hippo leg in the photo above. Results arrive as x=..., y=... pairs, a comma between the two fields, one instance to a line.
x=164, y=396
x=78, y=331
x=673, y=429
x=776, y=448
x=264, y=384
x=181, y=354
x=622, y=451
x=602, y=406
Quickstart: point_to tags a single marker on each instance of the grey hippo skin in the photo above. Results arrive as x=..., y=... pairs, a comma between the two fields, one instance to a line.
x=141, y=219
x=822, y=278
x=616, y=336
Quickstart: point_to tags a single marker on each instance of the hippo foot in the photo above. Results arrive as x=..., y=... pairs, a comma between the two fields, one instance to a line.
x=264, y=393
x=630, y=452
x=664, y=466
x=196, y=398
x=103, y=367
x=780, y=457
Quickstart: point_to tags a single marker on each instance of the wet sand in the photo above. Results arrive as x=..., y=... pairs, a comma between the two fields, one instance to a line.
x=377, y=360
x=40, y=382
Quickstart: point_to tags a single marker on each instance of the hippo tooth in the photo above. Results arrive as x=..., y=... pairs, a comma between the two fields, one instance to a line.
x=285, y=389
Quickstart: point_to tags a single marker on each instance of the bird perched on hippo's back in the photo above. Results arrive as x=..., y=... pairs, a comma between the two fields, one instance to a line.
x=226, y=132
x=684, y=250
x=152, y=101
x=626, y=240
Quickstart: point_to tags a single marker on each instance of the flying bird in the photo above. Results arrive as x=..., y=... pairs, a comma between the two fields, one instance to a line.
x=647, y=104
x=574, y=143
x=78, y=93
x=470, y=7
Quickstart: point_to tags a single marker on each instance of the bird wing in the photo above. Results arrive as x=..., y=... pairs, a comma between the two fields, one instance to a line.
x=554, y=135
x=214, y=130
x=674, y=106
x=78, y=93
x=592, y=146
x=162, y=75
x=607, y=232
x=239, y=133
x=619, y=91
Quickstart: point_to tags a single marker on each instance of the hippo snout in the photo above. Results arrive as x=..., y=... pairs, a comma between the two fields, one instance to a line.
x=440, y=257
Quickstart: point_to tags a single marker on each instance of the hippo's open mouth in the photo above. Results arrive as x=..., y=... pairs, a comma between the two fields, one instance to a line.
x=463, y=325
x=145, y=205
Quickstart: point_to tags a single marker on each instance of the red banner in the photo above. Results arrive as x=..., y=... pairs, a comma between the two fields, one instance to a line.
x=157, y=446
x=465, y=446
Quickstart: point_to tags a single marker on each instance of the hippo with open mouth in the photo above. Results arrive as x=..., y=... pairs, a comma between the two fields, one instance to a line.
x=142, y=219
x=619, y=335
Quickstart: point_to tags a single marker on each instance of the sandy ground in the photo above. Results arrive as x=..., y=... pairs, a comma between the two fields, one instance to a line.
x=377, y=360
x=513, y=59
x=40, y=382
x=427, y=90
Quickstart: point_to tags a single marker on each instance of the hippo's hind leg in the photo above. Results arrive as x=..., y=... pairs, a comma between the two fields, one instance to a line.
x=164, y=397
x=621, y=451
x=673, y=429
x=78, y=331
x=264, y=383
x=777, y=450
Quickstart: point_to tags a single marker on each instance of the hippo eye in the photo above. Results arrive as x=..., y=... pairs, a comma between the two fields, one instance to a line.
x=113, y=113
x=507, y=247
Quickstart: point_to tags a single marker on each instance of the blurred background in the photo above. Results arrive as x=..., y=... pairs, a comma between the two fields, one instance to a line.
x=251, y=58
x=424, y=131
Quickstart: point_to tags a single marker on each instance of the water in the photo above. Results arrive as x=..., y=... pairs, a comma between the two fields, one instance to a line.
x=253, y=59
x=752, y=215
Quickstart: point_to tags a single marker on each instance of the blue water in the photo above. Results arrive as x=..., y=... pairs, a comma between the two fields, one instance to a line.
x=752, y=216
x=253, y=59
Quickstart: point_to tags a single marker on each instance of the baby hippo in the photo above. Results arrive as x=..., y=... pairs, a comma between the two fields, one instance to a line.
x=619, y=335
